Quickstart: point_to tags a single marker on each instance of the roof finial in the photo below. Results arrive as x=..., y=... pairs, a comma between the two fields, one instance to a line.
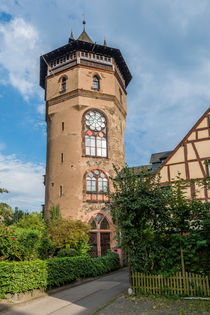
x=84, y=22
x=105, y=44
x=71, y=36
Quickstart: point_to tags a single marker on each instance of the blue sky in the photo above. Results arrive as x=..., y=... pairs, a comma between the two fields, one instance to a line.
x=166, y=45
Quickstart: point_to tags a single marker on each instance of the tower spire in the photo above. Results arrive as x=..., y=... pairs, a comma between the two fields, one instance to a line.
x=71, y=36
x=84, y=36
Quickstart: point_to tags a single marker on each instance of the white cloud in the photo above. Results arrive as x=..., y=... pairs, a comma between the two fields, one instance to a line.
x=24, y=181
x=20, y=48
x=165, y=43
x=41, y=109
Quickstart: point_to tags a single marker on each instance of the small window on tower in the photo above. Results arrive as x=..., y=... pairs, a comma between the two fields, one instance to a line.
x=120, y=95
x=63, y=84
x=61, y=157
x=96, y=82
x=61, y=191
x=62, y=126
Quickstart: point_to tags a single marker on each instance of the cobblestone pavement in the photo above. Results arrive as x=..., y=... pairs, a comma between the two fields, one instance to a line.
x=152, y=306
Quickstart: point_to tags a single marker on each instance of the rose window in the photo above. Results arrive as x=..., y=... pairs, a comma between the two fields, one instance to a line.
x=95, y=121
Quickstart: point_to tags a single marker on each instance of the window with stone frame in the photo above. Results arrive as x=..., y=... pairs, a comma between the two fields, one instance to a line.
x=96, y=186
x=96, y=82
x=95, y=134
x=63, y=84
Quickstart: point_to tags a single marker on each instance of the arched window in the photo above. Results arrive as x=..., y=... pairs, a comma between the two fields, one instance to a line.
x=95, y=134
x=63, y=84
x=96, y=182
x=100, y=235
x=96, y=82
x=96, y=186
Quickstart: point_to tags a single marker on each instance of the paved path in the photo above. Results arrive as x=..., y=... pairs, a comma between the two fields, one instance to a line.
x=82, y=299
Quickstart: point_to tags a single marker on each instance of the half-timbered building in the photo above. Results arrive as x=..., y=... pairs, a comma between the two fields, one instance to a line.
x=190, y=159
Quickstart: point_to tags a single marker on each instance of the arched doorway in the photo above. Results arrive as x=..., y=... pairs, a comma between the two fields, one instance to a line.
x=100, y=234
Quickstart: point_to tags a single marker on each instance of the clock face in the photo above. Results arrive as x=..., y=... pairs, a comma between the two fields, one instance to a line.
x=95, y=121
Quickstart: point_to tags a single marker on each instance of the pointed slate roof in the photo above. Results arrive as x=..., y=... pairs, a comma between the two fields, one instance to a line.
x=85, y=38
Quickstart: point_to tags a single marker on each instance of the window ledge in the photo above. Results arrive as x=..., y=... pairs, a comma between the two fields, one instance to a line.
x=95, y=89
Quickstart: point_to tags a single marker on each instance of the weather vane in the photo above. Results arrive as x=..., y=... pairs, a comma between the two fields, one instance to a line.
x=84, y=22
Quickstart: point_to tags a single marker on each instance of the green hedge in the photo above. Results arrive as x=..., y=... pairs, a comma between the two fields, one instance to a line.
x=22, y=276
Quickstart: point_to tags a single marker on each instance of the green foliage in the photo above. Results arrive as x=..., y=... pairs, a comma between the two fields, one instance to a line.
x=69, y=233
x=22, y=276
x=67, y=252
x=19, y=244
x=186, y=214
x=55, y=213
x=155, y=222
x=3, y=190
x=46, y=248
x=18, y=214
x=28, y=275
x=24, y=244
x=6, y=214
x=33, y=221
x=105, y=264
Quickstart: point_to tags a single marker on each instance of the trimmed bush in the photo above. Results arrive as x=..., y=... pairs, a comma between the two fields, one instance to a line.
x=67, y=252
x=23, y=276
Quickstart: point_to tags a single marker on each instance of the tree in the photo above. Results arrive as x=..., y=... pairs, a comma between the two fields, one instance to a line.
x=34, y=221
x=69, y=234
x=139, y=208
x=154, y=222
x=6, y=214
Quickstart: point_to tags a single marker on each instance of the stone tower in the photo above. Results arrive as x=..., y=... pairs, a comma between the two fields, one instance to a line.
x=85, y=92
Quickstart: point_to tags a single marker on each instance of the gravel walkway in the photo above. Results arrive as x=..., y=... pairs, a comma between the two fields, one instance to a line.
x=152, y=306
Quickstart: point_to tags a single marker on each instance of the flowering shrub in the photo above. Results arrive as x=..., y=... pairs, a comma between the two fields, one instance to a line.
x=23, y=244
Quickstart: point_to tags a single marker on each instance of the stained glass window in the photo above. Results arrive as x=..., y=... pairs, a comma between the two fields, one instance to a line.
x=94, y=127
